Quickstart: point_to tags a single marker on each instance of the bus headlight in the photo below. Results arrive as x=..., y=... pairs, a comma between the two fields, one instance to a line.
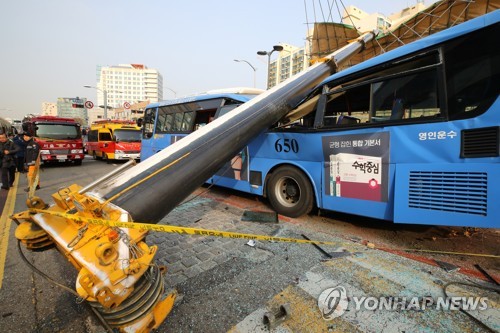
x=76, y=151
x=45, y=152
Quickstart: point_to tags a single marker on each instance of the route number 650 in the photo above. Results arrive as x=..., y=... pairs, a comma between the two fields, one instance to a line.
x=286, y=145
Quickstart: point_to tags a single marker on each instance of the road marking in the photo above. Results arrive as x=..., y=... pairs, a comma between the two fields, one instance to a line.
x=5, y=222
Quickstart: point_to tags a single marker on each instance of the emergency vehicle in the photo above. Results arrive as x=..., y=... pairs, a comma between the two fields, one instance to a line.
x=114, y=140
x=60, y=139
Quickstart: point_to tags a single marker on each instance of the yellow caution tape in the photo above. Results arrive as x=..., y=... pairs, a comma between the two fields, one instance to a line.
x=216, y=233
x=178, y=230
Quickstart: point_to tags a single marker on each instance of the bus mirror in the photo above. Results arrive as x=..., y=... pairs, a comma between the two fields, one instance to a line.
x=139, y=122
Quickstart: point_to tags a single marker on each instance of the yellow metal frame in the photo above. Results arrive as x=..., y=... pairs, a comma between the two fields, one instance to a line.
x=110, y=260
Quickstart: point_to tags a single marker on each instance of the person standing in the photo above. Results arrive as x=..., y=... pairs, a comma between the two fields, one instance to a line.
x=19, y=141
x=8, y=151
x=31, y=155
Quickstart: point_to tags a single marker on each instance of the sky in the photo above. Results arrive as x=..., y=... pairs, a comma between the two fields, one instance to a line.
x=51, y=48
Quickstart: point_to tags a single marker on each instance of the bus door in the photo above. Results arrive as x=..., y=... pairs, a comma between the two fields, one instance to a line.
x=236, y=170
x=148, y=144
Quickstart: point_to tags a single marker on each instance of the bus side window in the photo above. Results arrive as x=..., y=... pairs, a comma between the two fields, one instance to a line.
x=472, y=73
x=203, y=117
x=348, y=107
x=177, y=121
x=226, y=108
x=167, y=124
x=187, y=120
x=406, y=97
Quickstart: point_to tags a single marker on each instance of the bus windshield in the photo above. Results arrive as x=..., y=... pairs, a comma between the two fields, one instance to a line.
x=127, y=135
x=58, y=131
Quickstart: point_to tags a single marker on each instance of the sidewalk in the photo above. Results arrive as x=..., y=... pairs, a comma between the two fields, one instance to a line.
x=373, y=273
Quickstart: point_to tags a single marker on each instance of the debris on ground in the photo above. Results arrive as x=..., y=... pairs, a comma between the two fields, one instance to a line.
x=263, y=217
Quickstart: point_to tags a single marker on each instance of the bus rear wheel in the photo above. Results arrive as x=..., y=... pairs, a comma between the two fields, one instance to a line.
x=290, y=192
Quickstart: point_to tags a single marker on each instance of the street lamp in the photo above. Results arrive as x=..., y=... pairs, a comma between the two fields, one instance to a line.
x=105, y=96
x=175, y=94
x=254, y=69
x=278, y=48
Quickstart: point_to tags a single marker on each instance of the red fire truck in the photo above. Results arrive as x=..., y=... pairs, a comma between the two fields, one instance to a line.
x=114, y=140
x=60, y=139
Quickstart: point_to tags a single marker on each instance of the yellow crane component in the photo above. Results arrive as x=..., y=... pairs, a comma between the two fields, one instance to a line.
x=117, y=275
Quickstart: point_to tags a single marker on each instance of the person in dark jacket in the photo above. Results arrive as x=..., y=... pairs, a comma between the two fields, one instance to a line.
x=19, y=141
x=8, y=152
x=31, y=155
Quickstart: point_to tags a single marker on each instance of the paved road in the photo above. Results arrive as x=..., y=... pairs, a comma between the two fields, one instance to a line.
x=228, y=285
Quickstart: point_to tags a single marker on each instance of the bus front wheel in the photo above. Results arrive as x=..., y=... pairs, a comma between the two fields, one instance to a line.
x=290, y=192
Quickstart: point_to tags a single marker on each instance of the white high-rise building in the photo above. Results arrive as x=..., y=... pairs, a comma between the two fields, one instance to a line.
x=128, y=83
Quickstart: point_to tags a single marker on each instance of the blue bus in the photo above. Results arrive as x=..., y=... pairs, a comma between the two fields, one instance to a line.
x=410, y=136
x=169, y=121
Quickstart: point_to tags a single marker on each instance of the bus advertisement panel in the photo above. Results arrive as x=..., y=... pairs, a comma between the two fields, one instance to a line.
x=356, y=166
x=410, y=136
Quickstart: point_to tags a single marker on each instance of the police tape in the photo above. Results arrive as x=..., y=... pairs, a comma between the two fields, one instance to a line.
x=177, y=229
